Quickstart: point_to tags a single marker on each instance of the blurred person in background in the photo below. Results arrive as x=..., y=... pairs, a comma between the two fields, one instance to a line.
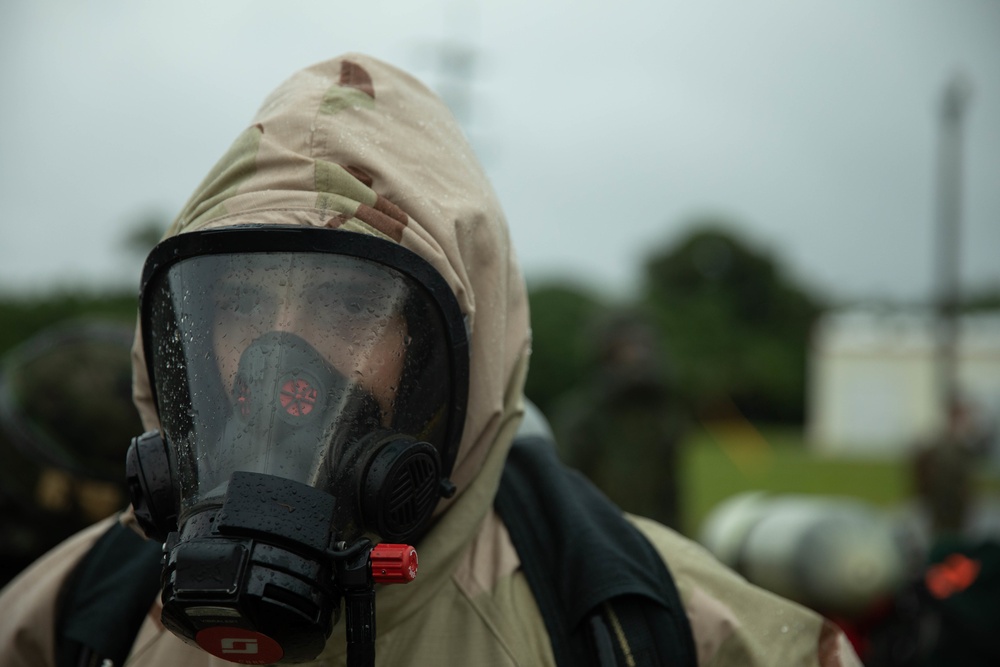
x=623, y=428
x=66, y=419
x=944, y=467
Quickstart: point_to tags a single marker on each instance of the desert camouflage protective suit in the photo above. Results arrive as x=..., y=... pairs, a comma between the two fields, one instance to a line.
x=355, y=144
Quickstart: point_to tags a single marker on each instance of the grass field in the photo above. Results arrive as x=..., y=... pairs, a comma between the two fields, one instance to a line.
x=723, y=459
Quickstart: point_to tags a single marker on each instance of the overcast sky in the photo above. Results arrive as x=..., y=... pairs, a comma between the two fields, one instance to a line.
x=607, y=126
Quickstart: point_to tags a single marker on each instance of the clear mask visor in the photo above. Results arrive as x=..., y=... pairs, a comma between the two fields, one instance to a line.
x=281, y=363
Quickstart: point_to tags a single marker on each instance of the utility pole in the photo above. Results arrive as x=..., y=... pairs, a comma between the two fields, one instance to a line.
x=954, y=102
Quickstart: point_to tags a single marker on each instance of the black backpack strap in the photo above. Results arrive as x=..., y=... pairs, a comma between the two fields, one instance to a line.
x=595, y=577
x=104, y=600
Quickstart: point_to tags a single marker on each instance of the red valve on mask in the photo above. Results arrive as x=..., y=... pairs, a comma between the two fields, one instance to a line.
x=394, y=563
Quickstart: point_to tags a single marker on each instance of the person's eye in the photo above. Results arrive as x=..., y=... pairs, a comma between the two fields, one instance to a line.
x=344, y=301
x=346, y=307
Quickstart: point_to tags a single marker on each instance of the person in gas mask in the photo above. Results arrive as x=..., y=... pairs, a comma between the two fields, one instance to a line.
x=333, y=343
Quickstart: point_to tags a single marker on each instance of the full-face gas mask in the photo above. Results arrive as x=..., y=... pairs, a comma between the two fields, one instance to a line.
x=311, y=387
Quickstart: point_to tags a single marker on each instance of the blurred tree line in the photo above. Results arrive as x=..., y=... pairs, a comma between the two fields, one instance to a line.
x=734, y=325
x=24, y=316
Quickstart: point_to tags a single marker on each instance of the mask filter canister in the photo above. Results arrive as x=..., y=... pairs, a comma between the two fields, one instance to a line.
x=255, y=583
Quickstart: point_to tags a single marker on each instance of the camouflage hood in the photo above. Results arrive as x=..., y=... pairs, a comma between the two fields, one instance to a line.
x=355, y=144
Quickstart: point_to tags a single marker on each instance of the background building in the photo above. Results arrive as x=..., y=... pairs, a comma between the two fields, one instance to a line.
x=873, y=380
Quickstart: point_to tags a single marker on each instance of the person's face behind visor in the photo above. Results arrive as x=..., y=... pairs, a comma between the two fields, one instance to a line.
x=350, y=312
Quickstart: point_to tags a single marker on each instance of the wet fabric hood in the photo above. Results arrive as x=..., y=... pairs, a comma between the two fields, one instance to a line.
x=359, y=147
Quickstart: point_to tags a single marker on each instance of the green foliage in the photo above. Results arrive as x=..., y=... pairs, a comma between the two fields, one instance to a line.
x=23, y=317
x=736, y=328
x=561, y=315
x=987, y=298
